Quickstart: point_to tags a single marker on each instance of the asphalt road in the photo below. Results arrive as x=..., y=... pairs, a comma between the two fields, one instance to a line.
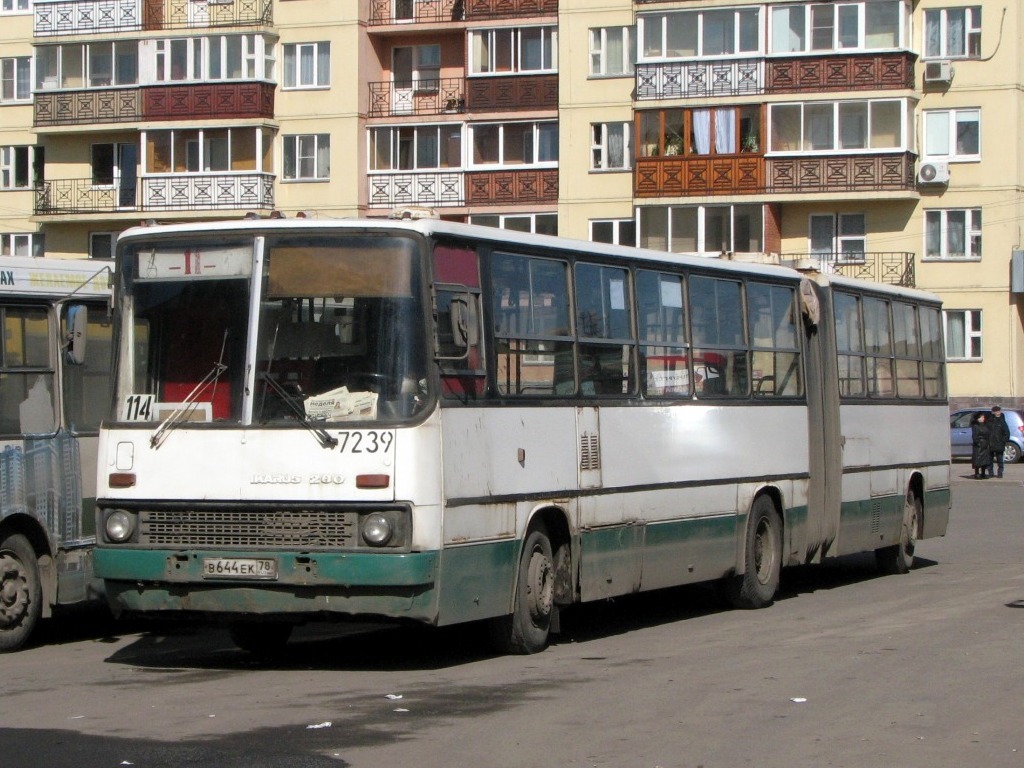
x=848, y=668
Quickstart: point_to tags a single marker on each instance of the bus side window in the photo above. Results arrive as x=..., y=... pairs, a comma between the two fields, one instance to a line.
x=87, y=384
x=26, y=372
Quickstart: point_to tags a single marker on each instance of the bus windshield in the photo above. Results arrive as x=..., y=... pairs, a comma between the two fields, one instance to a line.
x=338, y=333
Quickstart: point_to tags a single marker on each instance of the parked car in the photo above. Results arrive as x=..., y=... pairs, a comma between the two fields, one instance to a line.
x=960, y=434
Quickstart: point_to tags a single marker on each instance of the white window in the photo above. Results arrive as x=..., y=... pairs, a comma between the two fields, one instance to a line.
x=307, y=65
x=415, y=147
x=843, y=126
x=707, y=229
x=16, y=79
x=708, y=33
x=307, y=157
x=15, y=6
x=514, y=144
x=841, y=236
x=952, y=233
x=88, y=65
x=963, y=334
x=952, y=33
x=506, y=51
x=203, y=151
x=612, y=51
x=20, y=244
x=611, y=147
x=18, y=166
x=836, y=27
x=417, y=67
x=952, y=134
x=614, y=231
x=537, y=223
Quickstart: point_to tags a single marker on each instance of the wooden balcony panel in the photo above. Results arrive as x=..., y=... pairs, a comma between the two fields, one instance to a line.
x=704, y=175
x=229, y=101
x=509, y=9
x=505, y=94
x=416, y=11
x=850, y=173
x=859, y=72
x=120, y=105
x=511, y=187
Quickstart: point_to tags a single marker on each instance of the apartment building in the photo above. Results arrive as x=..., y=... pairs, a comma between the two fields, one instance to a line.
x=879, y=137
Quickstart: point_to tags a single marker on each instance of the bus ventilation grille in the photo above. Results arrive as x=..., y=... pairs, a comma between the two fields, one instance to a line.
x=590, y=451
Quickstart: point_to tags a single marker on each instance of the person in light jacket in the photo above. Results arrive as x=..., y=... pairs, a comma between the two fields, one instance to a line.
x=981, y=453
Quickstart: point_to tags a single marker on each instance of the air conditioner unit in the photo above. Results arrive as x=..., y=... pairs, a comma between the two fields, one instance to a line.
x=938, y=71
x=933, y=173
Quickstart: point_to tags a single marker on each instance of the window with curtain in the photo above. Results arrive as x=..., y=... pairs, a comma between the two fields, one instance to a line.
x=953, y=134
x=952, y=33
x=612, y=51
x=866, y=25
x=953, y=233
x=611, y=146
x=16, y=78
x=307, y=65
x=837, y=126
x=307, y=157
x=963, y=334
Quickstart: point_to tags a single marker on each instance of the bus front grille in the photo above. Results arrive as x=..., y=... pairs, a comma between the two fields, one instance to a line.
x=248, y=528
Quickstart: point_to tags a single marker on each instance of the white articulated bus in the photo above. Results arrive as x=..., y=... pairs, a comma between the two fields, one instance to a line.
x=54, y=388
x=445, y=423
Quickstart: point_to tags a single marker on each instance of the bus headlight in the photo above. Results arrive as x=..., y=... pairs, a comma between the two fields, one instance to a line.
x=377, y=529
x=119, y=526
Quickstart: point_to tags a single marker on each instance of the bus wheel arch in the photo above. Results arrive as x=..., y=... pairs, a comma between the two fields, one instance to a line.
x=21, y=588
x=762, y=554
x=899, y=558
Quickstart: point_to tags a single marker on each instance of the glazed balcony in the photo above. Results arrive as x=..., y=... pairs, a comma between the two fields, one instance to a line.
x=84, y=17
x=803, y=74
x=237, y=101
x=182, y=192
x=428, y=97
x=461, y=188
x=675, y=176
x=416, y=11
x=890, y=267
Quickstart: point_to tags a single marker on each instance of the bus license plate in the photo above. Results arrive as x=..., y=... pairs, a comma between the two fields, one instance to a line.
x=239, y=568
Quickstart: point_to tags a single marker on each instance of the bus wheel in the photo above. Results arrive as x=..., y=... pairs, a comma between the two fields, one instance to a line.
x=757, y=586
x=260, y=638
x=21, y=594
x=900, y=557
x=526, y=629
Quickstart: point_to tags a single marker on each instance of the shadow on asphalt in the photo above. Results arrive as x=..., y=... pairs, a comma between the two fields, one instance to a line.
x=167, y=645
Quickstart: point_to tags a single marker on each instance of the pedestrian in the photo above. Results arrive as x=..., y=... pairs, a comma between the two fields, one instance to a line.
x=981, y=453
x=998, y=435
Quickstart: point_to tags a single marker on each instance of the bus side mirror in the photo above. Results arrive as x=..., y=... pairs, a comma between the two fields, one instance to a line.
x=78, y=325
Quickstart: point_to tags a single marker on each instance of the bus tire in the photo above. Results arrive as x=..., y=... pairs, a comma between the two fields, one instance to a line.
x=756, y=587
x=527, y=628
x=21, y=593
x=899, y=558
x=260, y=638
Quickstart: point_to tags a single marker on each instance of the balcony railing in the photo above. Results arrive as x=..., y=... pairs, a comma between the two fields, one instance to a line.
x=459, y=188
x=509, y=9
x=891, y=267
x=743, y=77
x=517, y=92
x=238, y=101
x=416, y=11
x=438, y=189
x=675, y=176
x=183, y=192
x=426, y=97
x=83, y=17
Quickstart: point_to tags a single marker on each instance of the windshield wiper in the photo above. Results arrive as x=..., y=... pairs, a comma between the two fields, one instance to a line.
x=187, y=406
x=325, y=440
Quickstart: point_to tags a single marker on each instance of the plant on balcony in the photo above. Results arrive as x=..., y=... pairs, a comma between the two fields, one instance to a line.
x=454, y=104
x=749, y=143
x=673, y=143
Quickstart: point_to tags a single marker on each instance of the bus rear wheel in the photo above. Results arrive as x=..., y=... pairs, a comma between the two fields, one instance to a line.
x=527, y=628
x=899, y=558
x=260, y=638
x=21, y=593
x=757, y=586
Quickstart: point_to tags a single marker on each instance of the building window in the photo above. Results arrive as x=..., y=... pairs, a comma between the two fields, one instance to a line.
x=15, y=6
x=719, y=131
x=613, y=231
x=952, y=134
x=307, y=65
x=101, y=245
x=694, y=34
x=307, y=157
x=207, y=150
x=838, y=126
x=417, y=67
x=16, y=79
x=514, y=144
x=703, y=229
x=952, y=33
x=839, y=235
x=20, y=167
x=415, y=147
x=953, y=233
x=963, y=334
x=92, y=65
x=836, y=27
x=537, y=223
x=611, y=147
x=507, y=51
x=612, y=51
x=21, y=244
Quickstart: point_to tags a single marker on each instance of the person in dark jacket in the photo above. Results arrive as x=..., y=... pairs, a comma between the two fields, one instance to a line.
x=981, y=453
x=998, y=436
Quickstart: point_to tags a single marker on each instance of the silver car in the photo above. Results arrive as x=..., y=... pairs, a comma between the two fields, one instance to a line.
x=960, y=434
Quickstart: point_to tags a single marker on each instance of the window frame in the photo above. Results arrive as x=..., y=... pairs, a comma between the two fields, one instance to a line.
x=972, y=339
x=600, y=60
x=702, y=225
x=535, y=139
x=486, y=43
x=645, y=30
x=835, y=25
x=617, y=226
x=291, y=155
x=972, y=234
x=952, y=119
x=971, y=34
x=599, y=152
x=396, y=135
x=291, y=63
x=16, y=79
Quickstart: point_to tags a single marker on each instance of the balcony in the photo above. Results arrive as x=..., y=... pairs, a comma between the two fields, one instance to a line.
x=234, y=101
x=83, y=17
x=182, y=192
x=890, y=267
x=440, y=189
x=428, y=97
x=803, y=74
x=477, y=10
x=505, y=94
x=416, y=11
x=675, y=176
